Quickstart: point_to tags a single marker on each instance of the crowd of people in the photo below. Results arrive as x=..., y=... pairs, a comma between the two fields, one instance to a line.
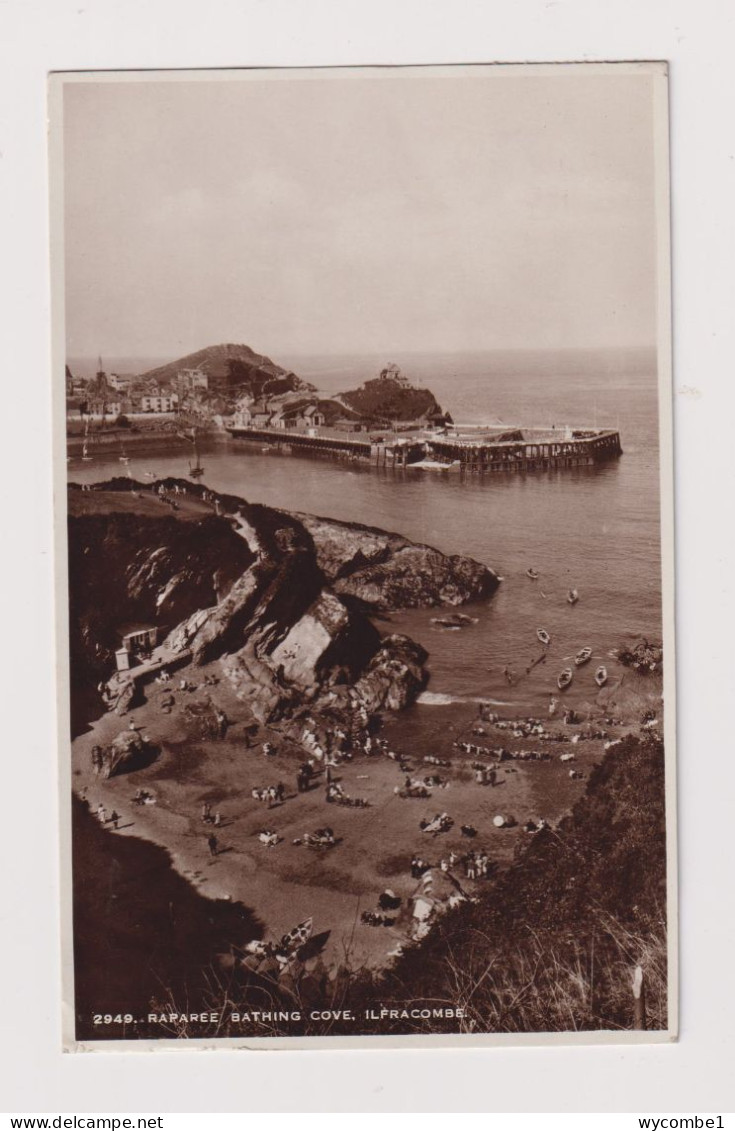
x=328, y=744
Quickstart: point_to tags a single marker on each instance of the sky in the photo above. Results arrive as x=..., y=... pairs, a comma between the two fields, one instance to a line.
x=372, y=212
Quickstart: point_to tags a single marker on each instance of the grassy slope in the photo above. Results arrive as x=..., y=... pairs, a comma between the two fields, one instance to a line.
x=553, y=944
x=214, y=360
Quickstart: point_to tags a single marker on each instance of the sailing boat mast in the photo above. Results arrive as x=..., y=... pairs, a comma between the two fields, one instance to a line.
x=197, y=470
x=85, y=446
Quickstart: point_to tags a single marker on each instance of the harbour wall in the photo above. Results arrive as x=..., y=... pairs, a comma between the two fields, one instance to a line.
x=528, y=450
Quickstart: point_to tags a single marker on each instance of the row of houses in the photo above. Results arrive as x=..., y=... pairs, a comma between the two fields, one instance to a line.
x=259, y=414
x=186, y=381
x=113, y=394
x=113, y=406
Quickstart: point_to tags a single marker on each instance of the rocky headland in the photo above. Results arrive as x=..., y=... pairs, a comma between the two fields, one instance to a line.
x=385, y=571
x=232, y=365
x=281, y=601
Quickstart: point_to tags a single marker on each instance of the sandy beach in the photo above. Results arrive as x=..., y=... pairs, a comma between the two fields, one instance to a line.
x=288, y=883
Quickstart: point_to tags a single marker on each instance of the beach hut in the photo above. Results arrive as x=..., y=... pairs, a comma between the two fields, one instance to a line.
x=138, y=641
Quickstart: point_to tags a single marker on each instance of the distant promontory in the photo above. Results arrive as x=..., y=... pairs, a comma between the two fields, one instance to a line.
x=233, y=380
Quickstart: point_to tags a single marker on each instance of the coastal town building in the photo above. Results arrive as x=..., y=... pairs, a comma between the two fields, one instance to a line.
x=103, y=406
x=312, y=417
x=119, y=383
x=249, y=414
x=188, y=380
x=393, y=373
x=260, y=416
x=159, y=402
x=74, y=385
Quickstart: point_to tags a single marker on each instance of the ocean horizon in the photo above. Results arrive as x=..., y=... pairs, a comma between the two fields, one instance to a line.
x=634, y=359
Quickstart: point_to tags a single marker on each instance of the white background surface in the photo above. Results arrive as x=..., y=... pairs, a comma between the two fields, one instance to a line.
x=697, y=39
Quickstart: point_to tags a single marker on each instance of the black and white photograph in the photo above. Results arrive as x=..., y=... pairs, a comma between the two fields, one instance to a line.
x=365, y=585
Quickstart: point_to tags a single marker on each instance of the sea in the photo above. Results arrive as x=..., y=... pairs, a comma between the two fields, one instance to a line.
x=594, y=529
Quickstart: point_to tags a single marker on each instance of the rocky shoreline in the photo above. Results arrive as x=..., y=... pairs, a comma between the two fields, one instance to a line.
x=272, y=637
x=285, y=602
x=274, y=655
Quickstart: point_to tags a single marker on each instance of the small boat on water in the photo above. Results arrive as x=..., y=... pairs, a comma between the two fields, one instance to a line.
x=454, y=620
x=601, y=676
x=583, y=657
x=565, y=678
x=434, y=465
x=543, y=636
x=123, y=457
x=85, y=453
x=573, y=596
x=533, y=574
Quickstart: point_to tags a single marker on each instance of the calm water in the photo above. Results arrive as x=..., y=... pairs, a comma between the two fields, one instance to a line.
x=596, y=530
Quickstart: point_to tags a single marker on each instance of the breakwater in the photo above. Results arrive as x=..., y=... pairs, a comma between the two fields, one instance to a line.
x=528, y=449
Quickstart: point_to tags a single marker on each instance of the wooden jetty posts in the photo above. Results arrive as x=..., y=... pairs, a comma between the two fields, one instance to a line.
x=540, y=452
x=518, y=450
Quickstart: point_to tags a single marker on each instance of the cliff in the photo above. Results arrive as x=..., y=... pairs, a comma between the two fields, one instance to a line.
x=127, y=568
x=280, y=601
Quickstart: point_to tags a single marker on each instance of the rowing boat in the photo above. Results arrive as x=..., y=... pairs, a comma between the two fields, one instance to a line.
x=565, y=678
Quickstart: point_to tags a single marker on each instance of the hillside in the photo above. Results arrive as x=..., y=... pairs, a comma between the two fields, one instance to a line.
x=232, y=366
x=237, y=370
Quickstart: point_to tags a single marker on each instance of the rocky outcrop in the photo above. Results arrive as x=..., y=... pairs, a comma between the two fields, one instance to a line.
x=128, y=751
x=386, y=571
x=281, y=601
x=394, y=676
x=388, y=399
x=644, y=657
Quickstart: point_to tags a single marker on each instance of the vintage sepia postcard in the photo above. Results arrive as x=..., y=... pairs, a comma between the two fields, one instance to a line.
x=365, y=555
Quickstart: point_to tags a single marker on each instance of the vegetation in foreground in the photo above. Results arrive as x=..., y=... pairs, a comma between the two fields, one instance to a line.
x=554, y=944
